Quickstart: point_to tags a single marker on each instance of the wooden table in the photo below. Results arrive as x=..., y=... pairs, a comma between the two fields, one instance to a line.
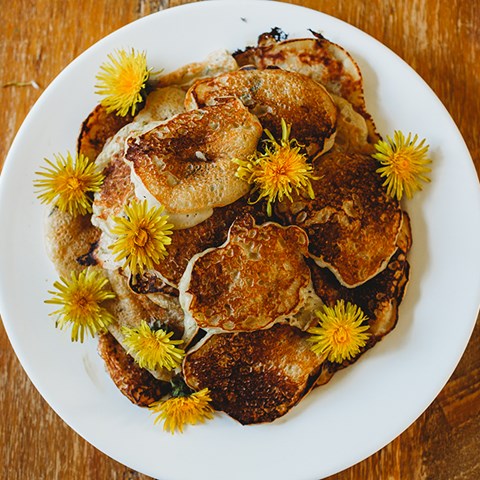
x=439, y=39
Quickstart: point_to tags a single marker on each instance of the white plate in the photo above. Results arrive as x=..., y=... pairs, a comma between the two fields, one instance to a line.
x=364, y=407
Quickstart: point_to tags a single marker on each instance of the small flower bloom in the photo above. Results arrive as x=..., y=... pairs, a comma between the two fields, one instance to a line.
x=143, y=234
x=404, y=164
x=340, y=333
x=80, y=298
x=153, y=349
x=182, y=410
x=68, y=183
x=281, y=169
x=122, y=81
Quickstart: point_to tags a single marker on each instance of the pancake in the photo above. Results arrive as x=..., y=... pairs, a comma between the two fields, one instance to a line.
x=117, y=188
x=161, y=104
x=404, y=239
x=254, y=377
x=185, y=163
x=136, y=383
x=256, y=278
x=130, y=308
x=69, y=241
x=379, y=298
x=352, y=224
x=352, y=129
x=273, y=95
x=215, y=63
x=325, y=62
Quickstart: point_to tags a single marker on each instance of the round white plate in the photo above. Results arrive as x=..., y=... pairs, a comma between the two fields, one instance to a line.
x=364, y=407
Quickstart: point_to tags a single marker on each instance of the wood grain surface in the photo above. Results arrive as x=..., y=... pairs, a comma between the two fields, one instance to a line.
x=439, y=39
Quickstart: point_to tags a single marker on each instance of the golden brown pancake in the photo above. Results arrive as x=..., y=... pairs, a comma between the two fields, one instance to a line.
x=404, y=239
x=379, y=298
x=273, y=95
x=186, y=162
x=325, y=62
x=258, y=277
x=254, y=377
x=136, y=383
x=352, y=224
x=118, y=189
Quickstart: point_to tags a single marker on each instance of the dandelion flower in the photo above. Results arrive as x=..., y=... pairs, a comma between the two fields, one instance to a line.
x=184, y=409
x=122, y=81
x=277, y=172
x=340, y=333
x=68, y=183
x=80, y=298
x=153, y=349
x=143, y=235
x=404, y=164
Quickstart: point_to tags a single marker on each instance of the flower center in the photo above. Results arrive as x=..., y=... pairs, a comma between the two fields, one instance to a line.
x=83, y=304
x=141, y=237
x=402, y=165
x=73, y=183
x=285, y=166
x=340, y=336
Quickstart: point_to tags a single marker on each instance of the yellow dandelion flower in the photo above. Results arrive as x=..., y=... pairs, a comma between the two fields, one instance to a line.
x=404, y=164
x=143, y=235
x=281, y=169
x=68, y=183
x=80, y=298
x=153, y=349
x=340, y=333
x=122, y=81
x=176, y=412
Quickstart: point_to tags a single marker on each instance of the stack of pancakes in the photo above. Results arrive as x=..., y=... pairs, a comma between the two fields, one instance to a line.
x=241, y=288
